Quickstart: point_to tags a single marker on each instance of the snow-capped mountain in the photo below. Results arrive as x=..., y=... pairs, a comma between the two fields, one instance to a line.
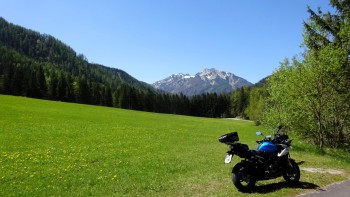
x=207, y=81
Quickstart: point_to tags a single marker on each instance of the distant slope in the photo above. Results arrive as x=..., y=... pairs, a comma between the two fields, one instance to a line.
x=207, y=81
x=41, y=66
x=263, y=82
x=47, y=49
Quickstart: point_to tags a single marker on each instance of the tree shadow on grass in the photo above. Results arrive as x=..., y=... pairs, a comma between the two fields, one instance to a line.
x=268, y=188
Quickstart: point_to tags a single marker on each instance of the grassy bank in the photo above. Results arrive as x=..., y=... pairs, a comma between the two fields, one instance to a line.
x=55, y=148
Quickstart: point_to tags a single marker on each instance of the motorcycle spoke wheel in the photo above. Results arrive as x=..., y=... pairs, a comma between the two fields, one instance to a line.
x=244, y=178
x=292, y=174
x=244, y=181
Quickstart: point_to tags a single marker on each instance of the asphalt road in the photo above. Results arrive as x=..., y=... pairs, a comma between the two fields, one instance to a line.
x=341, y=189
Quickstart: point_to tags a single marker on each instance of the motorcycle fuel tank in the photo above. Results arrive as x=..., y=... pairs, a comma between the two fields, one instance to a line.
x=267, y=146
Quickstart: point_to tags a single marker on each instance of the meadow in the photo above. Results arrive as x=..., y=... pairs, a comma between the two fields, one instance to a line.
x=60, y=149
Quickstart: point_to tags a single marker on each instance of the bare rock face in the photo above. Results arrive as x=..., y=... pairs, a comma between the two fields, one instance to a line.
x=207, y=81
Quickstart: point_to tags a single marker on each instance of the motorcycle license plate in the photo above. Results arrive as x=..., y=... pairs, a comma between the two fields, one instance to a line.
x=228, y=158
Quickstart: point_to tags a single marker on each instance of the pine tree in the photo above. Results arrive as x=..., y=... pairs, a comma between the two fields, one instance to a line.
x=52, y=88
x=42, y=85
x=62, y=88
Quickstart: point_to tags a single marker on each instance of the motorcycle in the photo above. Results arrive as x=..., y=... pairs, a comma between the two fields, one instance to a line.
x=269, y=161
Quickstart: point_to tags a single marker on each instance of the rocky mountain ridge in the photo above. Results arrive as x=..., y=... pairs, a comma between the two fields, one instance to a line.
x=207, y=81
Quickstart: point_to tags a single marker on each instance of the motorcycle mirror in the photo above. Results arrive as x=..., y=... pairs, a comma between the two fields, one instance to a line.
x=258, y=133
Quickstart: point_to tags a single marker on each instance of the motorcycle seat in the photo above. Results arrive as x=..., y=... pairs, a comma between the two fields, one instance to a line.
x=254, y=152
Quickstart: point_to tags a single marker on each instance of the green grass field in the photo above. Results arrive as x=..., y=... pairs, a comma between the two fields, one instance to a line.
x=60, y=149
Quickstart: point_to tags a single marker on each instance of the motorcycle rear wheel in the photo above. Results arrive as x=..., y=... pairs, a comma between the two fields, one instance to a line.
x=292, y=173
x=242, y=178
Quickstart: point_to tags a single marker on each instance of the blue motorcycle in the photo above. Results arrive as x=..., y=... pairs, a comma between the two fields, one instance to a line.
x=270, y=160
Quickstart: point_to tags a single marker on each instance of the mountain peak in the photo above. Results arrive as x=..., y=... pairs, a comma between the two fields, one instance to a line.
x=207, y=81
x=212, y=74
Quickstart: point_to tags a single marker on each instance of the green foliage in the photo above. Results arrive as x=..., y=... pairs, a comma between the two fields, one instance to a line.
x=256, y=104
x=239, y=100
x=311, y=96
x=279, y=108
x=249, y=102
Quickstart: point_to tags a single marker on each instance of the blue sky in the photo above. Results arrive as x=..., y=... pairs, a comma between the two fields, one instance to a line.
x=152, y=39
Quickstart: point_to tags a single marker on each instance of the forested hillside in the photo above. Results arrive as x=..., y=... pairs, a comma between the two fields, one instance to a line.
x=41, y=66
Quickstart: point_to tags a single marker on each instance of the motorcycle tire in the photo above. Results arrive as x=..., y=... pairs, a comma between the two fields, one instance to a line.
x=242, y=178
x=292, y=173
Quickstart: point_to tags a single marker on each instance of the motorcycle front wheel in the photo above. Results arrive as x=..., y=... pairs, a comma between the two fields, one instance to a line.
x=292, y=173
x=242, y=178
